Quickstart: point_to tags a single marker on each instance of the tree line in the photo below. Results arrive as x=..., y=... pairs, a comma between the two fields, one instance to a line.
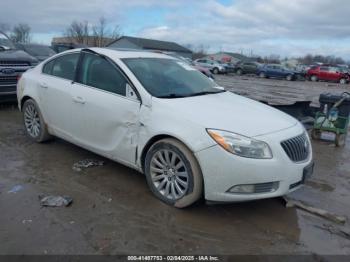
x=79, y=32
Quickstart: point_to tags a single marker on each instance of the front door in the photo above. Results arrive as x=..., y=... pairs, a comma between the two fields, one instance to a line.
x=105, y=118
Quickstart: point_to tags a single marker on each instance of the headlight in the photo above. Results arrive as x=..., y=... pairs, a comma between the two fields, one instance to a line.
x=241, y=145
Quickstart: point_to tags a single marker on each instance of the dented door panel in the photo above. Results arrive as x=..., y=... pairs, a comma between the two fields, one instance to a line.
x=106, y=122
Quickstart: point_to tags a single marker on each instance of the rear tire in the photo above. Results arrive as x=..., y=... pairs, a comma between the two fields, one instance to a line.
x=262, y=75
x=289, y=77
x=340, y=140
x=314, y=78
x=173, y=173
x=34, y=124
x=239, y=72
x=342, y=81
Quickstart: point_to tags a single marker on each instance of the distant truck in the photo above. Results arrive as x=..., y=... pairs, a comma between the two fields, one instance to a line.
x=40, y=52
x=13, y=63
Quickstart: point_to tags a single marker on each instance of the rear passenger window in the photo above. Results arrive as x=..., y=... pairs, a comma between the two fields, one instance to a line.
x=47, y=69
x=98, y=72
x=65, y=66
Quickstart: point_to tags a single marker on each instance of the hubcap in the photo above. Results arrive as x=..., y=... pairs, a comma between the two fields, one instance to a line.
x=169, y=174
x=32, y=120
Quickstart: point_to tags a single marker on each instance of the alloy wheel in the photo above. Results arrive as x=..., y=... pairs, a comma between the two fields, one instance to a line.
x=169, y=174
x=32, y=120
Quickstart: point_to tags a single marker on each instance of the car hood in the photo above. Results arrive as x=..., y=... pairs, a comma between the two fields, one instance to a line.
x=230, y=112
x=16, y=55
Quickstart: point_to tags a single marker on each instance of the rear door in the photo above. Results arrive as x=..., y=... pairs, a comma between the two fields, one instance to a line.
x=105, y=109
x=334, y=74
x=55, y=91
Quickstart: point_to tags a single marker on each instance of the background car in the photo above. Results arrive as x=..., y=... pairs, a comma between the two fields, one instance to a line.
x=327, y=73
x=212, y=65
x=276, y=71
x=40, y=52
x=246, y=68
x=13, y=63
x=229, y=67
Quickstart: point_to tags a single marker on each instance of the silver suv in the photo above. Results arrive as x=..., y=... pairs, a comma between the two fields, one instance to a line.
x=212, y=65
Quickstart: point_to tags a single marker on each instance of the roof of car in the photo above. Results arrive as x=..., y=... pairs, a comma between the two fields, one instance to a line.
x=123, y=53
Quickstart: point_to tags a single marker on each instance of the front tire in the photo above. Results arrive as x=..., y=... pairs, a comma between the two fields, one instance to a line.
x=216, y=71
x=289, y=77
x=314, y=78
x=262, y=75
x=239, y=72
x=173, y=173
x=34, y=124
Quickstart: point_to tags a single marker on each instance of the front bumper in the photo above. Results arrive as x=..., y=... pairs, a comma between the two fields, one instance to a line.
x=222, y=170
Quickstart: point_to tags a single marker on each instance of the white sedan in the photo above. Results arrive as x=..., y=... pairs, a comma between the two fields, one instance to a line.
x=165, y=119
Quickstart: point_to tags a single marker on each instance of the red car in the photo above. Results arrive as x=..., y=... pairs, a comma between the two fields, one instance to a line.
x=327, y=73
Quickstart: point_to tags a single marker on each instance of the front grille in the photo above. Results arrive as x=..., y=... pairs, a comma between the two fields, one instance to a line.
x=14, y=63
x=297, y=148
x=8, y=79
x=266, y=187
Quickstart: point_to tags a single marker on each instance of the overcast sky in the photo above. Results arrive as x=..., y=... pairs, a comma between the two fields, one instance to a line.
x=284, y=27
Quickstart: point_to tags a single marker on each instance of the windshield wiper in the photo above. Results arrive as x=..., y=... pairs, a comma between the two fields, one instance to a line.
x=171, y=96
x=207, y=93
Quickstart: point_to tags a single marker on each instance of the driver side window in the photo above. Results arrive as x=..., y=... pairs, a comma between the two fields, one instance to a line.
x=98, y=72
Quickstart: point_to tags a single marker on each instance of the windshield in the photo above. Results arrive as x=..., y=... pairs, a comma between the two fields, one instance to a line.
x=5, y=42
x=170, y=78
x=39, y=50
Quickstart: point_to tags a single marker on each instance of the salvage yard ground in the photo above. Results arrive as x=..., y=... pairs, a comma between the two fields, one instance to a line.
x=113, y=211
x=278, y=92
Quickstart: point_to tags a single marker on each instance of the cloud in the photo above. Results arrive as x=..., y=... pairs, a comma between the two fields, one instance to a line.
x=291, y=27
x=270, y=26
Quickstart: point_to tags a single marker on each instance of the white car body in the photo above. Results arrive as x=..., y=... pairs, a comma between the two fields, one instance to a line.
x=73, y=112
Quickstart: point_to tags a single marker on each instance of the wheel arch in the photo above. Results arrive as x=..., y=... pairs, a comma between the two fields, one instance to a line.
x=152, y=141
x=24, y=99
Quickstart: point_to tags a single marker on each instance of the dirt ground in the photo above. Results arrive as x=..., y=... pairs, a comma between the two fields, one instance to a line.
x=278, y=92
x=115, y=213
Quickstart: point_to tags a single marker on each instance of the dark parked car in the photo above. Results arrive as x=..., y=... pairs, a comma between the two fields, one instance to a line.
x=13, y=63
x=40, y=52
x=61, y=47
x=246, y=68
x=327, y=73
x=276, y=71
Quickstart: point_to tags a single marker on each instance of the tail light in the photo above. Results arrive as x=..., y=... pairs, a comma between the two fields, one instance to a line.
x=19, y=77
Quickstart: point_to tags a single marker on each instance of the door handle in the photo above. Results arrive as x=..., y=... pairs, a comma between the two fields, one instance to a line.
x=79, y=100
x=43, y=85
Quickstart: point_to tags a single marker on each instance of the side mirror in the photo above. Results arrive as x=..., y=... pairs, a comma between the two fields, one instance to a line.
x=130, y=92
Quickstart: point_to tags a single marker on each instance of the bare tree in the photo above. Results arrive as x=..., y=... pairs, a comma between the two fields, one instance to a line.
x=78, y=32
x=4, y=29
x=21, y=33
x=95, y=35
x=101, y=32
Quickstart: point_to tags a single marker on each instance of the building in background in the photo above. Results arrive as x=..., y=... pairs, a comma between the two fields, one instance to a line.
x=60, y=44
x=150, y=44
